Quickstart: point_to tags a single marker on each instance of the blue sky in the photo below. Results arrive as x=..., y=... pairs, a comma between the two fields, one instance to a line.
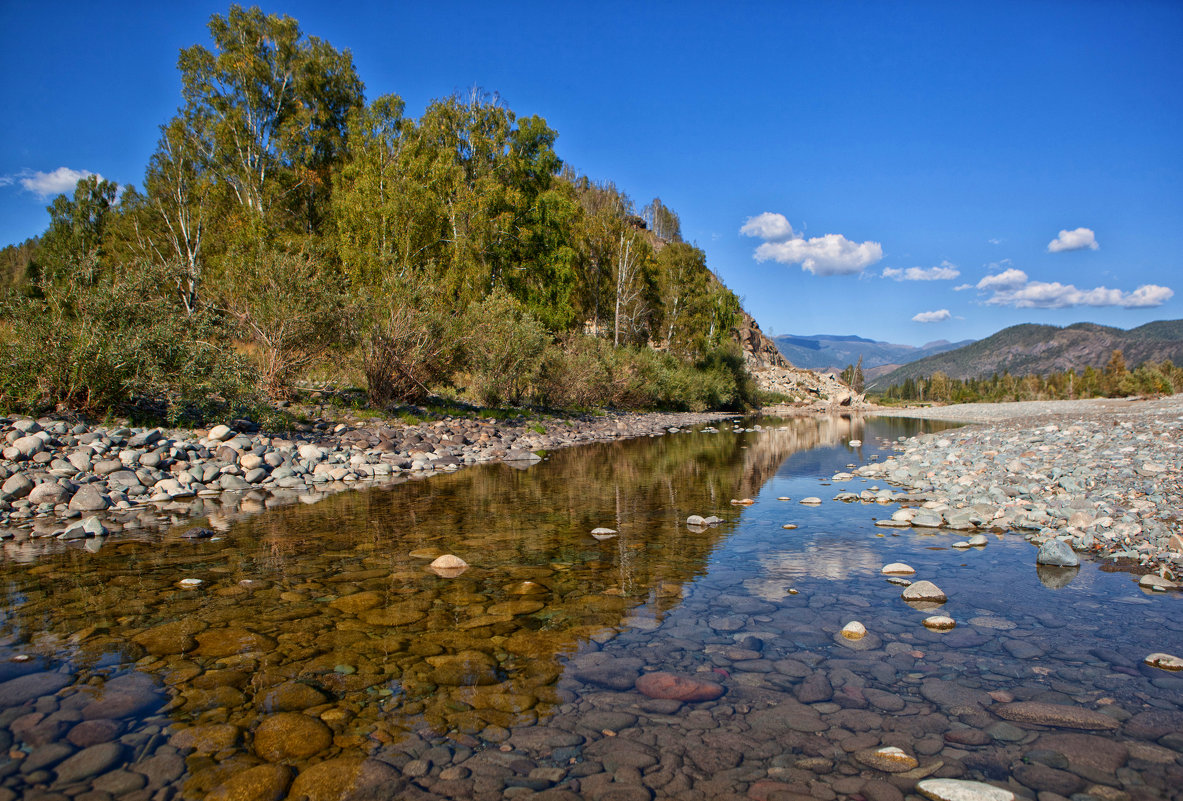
x=901, y=171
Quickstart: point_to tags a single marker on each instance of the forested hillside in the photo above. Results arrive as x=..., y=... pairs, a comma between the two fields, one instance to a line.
x=1032, y=349
x=1035, y=362
x=288, y=227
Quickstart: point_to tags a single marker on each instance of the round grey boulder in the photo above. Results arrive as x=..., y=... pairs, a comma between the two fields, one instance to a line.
x=49, y=492
x=1056, y=553
x=17, y=486
x=89, y=499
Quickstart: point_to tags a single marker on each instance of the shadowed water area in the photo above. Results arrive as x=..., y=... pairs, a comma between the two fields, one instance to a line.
x=321, y=658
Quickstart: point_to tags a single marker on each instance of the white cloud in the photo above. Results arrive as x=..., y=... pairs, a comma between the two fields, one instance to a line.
x=769, y=226
x=1054, y=295
x=994, y=241
x=962, y=287
x=932, y=316
x=1078, y=239
x=1003, y=281
x=1013, y=288
x=47, y=184
x=1147, y=296
x=947, y=271
x=832, y=254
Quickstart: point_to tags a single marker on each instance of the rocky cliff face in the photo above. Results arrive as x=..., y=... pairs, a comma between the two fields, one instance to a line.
x=773, y=373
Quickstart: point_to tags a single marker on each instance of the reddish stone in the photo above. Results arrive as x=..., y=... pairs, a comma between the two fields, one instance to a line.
x=678, y=688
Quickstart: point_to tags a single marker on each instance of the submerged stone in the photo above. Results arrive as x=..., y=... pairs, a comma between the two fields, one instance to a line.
x=678, y=688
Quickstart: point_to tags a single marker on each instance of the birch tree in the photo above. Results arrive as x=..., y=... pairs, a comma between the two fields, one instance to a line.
x=275, y=105
x=179, y=193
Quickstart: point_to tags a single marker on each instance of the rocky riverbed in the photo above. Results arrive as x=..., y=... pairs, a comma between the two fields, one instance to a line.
x=1103, y=477
x=63, y=481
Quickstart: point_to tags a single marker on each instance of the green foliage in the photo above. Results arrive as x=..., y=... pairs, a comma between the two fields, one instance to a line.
x=267, y=110
x=410, y=343
x=663, y=221
x=1115, y=381
x=852, y=375
x=507, y=345
x=16, y=265
x=448, y=254
x=584, y=372
x=111, y=341
x=290, y=306
x=72, y=247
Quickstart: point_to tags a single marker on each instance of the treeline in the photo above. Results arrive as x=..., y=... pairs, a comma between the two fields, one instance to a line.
x=286, y=226
x=1114, y=381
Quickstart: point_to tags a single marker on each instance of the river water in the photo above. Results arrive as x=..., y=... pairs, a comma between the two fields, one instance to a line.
x=320, y=657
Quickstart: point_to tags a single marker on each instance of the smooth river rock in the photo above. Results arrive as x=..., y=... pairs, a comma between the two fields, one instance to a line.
x=1058, y=715
x=678, y=688
x=1057, y=553
x=960, y=790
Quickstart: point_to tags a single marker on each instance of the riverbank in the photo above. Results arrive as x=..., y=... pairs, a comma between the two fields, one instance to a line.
x=1102, y=475
x=63, y=481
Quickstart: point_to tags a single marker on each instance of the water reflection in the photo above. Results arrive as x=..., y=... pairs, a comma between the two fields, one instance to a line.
x=319, y=635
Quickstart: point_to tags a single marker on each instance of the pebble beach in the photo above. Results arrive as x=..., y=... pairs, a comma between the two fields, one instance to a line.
x=1101, y=476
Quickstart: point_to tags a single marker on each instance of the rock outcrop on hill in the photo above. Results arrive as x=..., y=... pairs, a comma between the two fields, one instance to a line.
x=773, y=373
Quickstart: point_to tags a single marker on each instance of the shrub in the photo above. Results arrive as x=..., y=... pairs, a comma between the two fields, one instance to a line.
x=504, y=353
x=113, y=341
x=409, y=347
x=586, y=371
x=291, y=308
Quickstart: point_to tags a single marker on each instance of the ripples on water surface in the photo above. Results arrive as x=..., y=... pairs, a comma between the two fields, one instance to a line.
x=320, y=657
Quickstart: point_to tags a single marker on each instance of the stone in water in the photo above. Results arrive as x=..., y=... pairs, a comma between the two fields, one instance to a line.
x=1164, y=661
x=961, y=790
x=449, y=566
x=1056, y=553
x=854, y=630
x=924, y=591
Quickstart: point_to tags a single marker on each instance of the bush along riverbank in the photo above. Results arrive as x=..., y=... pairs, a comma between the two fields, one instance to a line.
x=1100, y=478
x=61, y=481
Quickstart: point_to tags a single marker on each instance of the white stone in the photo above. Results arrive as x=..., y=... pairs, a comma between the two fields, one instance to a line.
x=897, y=569
x=311, y=453
x=811, y=501
x=221, y=433
x=854, y=630
x=939, y=623
x=1164, y=662
x=924, y=591
x=962, y=790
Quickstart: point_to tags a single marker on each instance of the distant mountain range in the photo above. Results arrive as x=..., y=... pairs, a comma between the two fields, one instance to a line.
x=833, y=352
x=1043, y=349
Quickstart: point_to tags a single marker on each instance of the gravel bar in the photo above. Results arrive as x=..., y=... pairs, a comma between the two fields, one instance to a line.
x=62, y=481
x=1101, y=476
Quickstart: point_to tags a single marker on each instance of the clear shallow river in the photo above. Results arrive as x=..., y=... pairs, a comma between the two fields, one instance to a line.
x=321, y=658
